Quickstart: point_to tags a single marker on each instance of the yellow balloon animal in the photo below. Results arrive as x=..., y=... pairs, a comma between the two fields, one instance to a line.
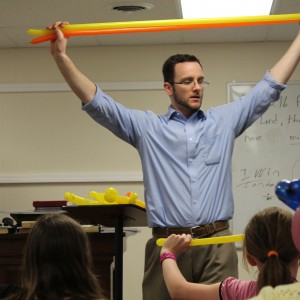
x=110, y=196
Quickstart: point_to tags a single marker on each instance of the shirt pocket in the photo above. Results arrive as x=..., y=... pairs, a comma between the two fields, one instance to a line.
x=212, y=150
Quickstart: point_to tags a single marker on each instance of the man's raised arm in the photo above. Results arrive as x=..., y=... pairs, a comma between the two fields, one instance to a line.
x=83, y=87
x=284, y=68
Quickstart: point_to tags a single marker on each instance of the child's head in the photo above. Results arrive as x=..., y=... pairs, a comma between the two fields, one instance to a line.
x=57, y=258
x=57, y=240
x=270, y=230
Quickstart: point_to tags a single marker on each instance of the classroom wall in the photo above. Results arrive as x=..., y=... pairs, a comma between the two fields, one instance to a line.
x=222, y=63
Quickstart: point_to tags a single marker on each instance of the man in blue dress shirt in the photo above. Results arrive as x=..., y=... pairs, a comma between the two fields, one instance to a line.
x=186, y=156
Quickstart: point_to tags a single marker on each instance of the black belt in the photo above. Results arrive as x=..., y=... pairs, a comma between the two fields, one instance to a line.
x=196, y=232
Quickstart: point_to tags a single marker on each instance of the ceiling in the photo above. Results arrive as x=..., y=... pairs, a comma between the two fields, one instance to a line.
x=17, y=16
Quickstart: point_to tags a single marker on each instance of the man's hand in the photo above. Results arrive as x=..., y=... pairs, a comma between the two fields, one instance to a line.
x=59, y=45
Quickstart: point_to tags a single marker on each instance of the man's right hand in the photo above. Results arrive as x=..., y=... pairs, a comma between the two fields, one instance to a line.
x=59, y=45
x=82, y=86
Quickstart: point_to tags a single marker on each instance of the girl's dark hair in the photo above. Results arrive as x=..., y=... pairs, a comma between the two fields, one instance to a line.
x=57, y=261
x=270, y=230
x=169, y=65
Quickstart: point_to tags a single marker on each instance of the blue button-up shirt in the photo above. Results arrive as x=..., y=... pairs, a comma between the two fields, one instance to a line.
x=186, y=162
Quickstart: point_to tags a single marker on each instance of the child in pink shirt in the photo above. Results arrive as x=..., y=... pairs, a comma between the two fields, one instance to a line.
x=268, y=245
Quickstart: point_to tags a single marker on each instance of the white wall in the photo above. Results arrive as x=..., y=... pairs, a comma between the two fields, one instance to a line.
x=222, y=63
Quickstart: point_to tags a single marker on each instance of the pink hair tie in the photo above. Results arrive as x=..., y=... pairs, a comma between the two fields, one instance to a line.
x=272, y=252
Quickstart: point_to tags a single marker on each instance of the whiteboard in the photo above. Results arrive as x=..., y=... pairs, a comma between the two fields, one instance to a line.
x=266, y=153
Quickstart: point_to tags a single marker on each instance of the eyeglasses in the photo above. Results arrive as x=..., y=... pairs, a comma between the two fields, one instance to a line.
x=192, y=83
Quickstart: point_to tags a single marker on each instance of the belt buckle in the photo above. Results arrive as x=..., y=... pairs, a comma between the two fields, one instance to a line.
x=192, y=231
x=209, y=228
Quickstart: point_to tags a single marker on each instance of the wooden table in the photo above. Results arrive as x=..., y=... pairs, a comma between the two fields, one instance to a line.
x=107, y=247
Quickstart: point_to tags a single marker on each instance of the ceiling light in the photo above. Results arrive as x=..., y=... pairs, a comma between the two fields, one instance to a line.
x=221, y=8
x=130, y=8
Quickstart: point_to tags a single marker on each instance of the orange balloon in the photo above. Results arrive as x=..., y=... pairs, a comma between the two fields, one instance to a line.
x=126, y=30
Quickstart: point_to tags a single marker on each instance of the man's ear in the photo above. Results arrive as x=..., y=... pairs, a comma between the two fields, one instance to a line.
x=168, y=88
x=251, y=260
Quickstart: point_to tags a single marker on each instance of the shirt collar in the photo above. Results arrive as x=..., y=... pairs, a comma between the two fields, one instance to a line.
x=172, y=113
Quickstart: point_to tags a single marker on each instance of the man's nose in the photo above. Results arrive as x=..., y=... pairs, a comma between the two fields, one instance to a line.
x=197, y=85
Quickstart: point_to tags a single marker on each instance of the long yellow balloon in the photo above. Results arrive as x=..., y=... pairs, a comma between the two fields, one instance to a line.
x=284, y=18
x=209, y=241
